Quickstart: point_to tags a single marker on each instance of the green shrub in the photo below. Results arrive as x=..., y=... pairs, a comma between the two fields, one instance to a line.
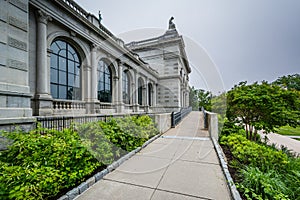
x=42, y=163
x=263, y=172
x=254, y=154
x=263, y=185
x=38, y=166
x=94, y=139
x=128, y=133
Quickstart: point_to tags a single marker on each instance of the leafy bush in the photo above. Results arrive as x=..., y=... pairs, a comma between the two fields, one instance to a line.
x=262, y=185
x=253, y=154
x=263, y=172
x=130, y=132
x=38, y=165
x=42, y=163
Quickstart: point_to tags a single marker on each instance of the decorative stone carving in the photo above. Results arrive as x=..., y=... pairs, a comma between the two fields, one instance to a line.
x=15, y=64
x=43, y=17
x=17, y=44
x=17, y=23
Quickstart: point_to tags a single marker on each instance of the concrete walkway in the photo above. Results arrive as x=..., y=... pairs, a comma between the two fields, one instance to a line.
x=182, y=164
x=279, y=140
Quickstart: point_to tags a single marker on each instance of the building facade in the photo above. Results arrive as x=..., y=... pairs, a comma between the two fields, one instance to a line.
x=57, y=59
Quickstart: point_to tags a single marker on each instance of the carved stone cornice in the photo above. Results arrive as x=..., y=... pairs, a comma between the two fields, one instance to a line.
x=43, y=17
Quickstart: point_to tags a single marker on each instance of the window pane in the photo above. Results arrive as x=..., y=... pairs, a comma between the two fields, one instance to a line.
x=53, y=61
x=71, y=79
x=62, y=64
x=63, y=53
x=76, y=58
x=71, y=50
x=54, y=48
x=71, y=66
x=70, y=56
x=76, y=93
x=70, y=93
x=54, y=76
x=54, y=91
x=62, y=92
x=61, y=44
x=62, y=78
x=77, y=81
x=77, y=70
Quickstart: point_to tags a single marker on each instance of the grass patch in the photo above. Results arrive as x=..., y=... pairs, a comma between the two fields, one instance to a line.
x=287, y=130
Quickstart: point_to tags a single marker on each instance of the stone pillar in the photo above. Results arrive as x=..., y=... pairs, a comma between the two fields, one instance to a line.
x=43, y=99
x=93, y=99
x=154, y=95
x=146, y=95
x=135, y=92
x=119, y=88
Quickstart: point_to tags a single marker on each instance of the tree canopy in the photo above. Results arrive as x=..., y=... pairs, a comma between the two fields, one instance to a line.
x=263, y=107
x=200, y=98
x=290, y=82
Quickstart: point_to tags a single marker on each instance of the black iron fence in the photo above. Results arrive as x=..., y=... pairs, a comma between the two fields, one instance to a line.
x=62, y=122
x=176, y=117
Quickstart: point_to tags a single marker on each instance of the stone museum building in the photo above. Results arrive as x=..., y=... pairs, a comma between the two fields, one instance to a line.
x=57, y=59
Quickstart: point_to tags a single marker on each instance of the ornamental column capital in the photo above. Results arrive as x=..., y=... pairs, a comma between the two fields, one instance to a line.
x=43, y=17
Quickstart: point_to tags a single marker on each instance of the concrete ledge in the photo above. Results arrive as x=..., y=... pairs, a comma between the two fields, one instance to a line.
x=72, y=194
x=234, y=192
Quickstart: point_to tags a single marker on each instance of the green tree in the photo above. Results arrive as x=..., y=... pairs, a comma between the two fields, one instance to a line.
x=291, y=82
x=262, y=107
x=204, y=99
x=200, y=98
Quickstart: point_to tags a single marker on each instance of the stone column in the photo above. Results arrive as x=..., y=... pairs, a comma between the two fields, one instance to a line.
x=154, y=95
x=135, y=92
x=41, y=50
x=93, y=80
x=119, y=88
x=94, y=77
x=43, y=99
x=146, y=95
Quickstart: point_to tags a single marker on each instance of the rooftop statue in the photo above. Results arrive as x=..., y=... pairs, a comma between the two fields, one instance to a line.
x=171, y=23
x=100, y=17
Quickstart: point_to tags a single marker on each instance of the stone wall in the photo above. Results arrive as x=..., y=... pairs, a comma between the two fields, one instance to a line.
x=212, y=122
x=162, y=121
x=14, y=47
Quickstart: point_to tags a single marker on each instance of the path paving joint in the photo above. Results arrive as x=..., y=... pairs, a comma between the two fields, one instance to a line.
x=181, y=164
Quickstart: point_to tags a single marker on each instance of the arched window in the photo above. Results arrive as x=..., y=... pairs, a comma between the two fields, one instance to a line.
x=140, y=91
x=126, y=87
x=104, y=82
x=150, y=94
x=65, y=71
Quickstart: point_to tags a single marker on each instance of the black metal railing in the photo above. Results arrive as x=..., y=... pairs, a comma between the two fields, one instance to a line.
x=176, y=117
x=62, y=122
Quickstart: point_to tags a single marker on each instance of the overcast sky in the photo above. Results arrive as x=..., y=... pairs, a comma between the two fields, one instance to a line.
x=227, y=41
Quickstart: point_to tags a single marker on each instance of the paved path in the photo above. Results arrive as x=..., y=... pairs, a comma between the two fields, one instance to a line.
x=182, y=164
x=292, y=144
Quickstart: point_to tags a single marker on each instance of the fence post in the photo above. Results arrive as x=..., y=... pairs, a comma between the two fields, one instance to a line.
x=172, y=120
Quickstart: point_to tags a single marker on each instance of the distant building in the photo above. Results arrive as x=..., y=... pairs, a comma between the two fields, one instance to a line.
x=57, y=60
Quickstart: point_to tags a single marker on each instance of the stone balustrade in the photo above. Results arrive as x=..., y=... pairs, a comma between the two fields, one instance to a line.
x=76, y=8
x=68, y=105
x=106, y=106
